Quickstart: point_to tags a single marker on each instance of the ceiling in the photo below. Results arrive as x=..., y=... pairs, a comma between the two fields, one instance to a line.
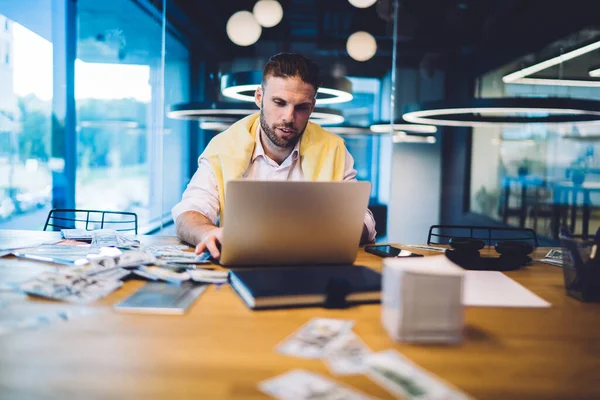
x=474, y=34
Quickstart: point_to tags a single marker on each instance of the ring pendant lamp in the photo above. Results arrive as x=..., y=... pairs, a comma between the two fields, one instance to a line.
x=351, y=130
x=403, y=137
x=488, y=112
x=242, y=85
x=397, y=137
x=231, y=112
x=386, y=127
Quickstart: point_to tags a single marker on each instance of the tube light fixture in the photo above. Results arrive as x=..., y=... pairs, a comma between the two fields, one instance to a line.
x=595, y=73
x=513, y=77
x=557, y=82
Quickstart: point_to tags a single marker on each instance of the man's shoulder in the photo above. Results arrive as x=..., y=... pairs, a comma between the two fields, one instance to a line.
x=230, y=141
x=320, y=134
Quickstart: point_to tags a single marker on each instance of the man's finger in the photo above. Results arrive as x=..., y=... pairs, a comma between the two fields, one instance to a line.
x=211, y=245
x=200, y=248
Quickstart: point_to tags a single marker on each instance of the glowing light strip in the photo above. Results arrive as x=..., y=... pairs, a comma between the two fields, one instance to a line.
x=421, y=117
x=339, y=96
x=550, y=63
x=323, y=118
x=215, y=125
x=595, y=73
x=350, y=130
x=319, y=116
x=196, y=114
x=556, y=82
x=385, y=128
x=235, y=92
x=403, y=137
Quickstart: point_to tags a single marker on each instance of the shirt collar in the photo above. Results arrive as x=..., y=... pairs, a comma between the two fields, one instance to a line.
x=260, y=151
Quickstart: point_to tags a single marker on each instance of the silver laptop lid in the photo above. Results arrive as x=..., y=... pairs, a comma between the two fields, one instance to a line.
x=293, y=223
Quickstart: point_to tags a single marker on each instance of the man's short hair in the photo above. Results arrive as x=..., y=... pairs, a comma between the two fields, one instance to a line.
x=289, y=65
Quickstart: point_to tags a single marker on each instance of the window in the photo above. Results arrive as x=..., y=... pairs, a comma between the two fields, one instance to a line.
x=127, y=156
x=25, y=128
x=124, y=147
x=539, y=176
x=360, y=112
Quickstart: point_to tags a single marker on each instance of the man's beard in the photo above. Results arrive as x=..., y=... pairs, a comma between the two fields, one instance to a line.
x=284, y=143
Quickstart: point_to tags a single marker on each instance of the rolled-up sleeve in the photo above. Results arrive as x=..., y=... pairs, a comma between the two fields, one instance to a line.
x=350, y=175
x=201, y=194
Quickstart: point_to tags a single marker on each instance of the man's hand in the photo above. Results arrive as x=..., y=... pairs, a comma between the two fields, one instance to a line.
x=211, y=242
x=196, y=229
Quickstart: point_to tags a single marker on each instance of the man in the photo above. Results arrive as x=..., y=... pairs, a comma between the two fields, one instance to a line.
x=279, y=143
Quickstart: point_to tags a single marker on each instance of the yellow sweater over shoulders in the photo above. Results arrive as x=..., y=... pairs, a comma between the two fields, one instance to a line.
x=322, y=154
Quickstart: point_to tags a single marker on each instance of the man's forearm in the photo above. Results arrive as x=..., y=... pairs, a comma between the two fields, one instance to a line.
x=192, y=227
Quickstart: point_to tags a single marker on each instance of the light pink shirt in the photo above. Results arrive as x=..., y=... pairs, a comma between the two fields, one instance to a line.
x=202, y=194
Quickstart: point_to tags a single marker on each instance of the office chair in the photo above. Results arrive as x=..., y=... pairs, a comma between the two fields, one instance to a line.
x=120, y=221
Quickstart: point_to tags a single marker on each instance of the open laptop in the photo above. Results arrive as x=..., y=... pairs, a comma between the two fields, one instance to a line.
x=293, y=223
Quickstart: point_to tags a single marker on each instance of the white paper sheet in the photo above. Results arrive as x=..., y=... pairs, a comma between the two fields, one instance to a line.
x=494, y=289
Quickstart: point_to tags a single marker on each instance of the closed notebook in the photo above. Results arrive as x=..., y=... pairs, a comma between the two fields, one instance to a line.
x=333, y=286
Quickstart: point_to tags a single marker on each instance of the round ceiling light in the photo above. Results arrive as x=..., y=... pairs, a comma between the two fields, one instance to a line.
x=362, y=3
x=242, y=85
x=231, y=112
x=361, y=46
x=491, y=112
x=268, y=13
x=243, y=29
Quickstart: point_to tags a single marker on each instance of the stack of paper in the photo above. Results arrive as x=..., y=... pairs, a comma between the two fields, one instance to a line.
x=422, y=299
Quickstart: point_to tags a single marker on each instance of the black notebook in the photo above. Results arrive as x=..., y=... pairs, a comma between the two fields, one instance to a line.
x=330, y=286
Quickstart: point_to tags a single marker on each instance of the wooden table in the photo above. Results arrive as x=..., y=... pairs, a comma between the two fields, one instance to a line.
x=221, y=349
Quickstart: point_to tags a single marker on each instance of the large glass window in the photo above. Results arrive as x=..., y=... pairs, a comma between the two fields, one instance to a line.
x=120, y=107
x=126, y=156
x=360, y=112
x=541, y=176
x=25, y=119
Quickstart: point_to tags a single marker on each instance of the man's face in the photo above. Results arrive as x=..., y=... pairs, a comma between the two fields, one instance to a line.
x=285, y=107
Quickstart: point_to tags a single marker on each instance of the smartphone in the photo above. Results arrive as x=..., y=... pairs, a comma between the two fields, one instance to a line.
x=390, y=251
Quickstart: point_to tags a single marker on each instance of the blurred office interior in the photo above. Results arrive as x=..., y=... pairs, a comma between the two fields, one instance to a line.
x=89, y=94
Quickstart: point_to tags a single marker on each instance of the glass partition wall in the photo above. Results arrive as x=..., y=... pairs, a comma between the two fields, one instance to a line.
x=87, y=87
x=541, y=176
x=26, y=73
x=82, y=109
